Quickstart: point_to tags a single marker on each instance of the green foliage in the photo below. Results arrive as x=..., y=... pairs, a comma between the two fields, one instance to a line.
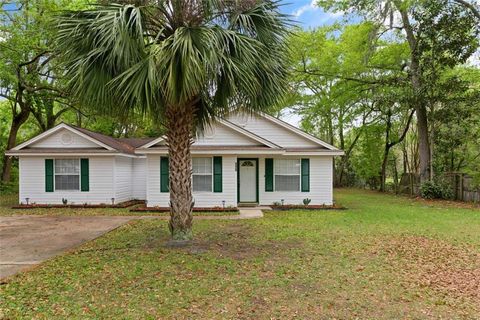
x=436, y=190
x=307, y=201
x=430, y=190
x=347, y=77
x=367, y=159
x=121, y=58
x=7, y=188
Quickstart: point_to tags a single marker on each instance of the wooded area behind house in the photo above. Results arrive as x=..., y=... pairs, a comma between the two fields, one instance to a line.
x=396, y=85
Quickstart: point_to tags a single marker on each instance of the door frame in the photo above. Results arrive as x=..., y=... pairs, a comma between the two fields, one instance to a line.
x=238, y=177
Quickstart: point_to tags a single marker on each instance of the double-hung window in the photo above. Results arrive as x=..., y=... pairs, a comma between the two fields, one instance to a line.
x=67, y=174
x=287, y=174
x=202, y=174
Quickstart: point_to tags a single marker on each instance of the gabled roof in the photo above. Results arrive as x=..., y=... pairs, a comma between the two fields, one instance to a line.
x=228, y=124
x=126, y=145
x=248, y=134
x=298, y=131
x=132, y=146
x=121, y=145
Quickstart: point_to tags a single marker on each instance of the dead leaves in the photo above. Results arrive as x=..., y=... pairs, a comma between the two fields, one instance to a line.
x=453, y=270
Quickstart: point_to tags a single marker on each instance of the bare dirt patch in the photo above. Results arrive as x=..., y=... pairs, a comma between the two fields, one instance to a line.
x=451, y=269
x=236, y=241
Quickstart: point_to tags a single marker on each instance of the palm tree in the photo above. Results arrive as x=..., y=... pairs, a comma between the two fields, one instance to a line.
x=183, y=62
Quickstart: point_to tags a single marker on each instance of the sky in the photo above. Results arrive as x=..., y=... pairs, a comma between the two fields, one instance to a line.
x=308, y=14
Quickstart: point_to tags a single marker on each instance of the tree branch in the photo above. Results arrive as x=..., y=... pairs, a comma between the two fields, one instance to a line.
x=469, y=6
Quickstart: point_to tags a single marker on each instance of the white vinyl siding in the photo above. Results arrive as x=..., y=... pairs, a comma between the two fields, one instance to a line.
x=321, y=183
x=221, y=135
x=123, y=179
x=271, y=131
x=202, y=174
x=140, y=178
x=286, y=174
x=67, y=174
x=202, y=199
x=32, y=182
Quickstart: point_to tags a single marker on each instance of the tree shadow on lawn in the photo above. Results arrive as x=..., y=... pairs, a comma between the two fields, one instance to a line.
x=237, y=241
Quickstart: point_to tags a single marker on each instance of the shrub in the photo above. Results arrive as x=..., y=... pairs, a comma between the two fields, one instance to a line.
x=430, y=190
x=307, y=201
x=436, y=190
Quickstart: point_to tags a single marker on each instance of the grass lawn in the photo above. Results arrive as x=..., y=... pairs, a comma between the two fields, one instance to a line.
x=386, y=257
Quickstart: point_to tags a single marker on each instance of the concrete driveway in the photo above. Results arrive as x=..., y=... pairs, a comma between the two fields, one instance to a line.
x=29, y=240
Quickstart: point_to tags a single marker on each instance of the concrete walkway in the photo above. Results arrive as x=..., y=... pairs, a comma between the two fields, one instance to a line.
x=244, y=213
x=28, y=240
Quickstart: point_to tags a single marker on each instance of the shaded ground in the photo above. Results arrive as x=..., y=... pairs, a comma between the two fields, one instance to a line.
x=385, y=258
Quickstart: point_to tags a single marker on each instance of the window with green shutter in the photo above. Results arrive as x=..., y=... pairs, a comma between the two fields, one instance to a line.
x=84, y=175
x=305, y=175
x=164, y=178
x=217, y=174
x=48, y=175
x=269, y=175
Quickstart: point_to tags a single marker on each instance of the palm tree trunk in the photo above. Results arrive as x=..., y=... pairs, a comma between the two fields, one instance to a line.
x=180, y=124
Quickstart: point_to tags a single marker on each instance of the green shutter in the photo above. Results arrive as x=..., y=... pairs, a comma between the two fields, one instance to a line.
x=84, y=175
x=164, y=178
x=48, y=175
x=305, y=175
x=269, y=174
x=217, y=174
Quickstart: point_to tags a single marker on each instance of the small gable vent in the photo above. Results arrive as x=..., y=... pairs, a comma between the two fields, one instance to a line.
x=67, y=138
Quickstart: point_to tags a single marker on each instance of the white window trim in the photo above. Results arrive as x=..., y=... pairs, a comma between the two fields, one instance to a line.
x=203, y=174
x=55, y=174
x=288, y=174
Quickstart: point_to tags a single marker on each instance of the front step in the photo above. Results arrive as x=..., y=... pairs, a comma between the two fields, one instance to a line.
x=247, y=204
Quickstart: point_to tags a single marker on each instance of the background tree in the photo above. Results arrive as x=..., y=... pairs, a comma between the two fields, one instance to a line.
x=440, y=33
x=29, y=76
x=182, y=62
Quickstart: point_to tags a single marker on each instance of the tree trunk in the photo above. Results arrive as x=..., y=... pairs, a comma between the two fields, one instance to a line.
x=383, y=173
x=420, y=109
x=423, y=144
x=179, y=138
x=395, y=175
x=17, y=122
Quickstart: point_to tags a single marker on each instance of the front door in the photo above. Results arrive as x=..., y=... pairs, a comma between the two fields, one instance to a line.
x=247, y=180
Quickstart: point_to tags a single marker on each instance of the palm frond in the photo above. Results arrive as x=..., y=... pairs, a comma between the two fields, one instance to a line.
x=213, y=55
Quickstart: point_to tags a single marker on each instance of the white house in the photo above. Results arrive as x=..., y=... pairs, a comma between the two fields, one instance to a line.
x=253, y=159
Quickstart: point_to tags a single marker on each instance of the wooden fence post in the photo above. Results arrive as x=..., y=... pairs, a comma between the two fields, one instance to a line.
x=461, y=186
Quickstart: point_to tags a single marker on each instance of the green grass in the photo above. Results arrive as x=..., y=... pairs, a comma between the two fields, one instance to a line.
x=386, y=257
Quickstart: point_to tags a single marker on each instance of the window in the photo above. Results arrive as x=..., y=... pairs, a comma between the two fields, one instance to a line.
x=202, y=174
x=287, y=174
x=67, y=174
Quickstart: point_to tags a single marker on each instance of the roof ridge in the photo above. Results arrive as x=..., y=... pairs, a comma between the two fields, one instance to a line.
x=252, y=133
x=93, y=134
